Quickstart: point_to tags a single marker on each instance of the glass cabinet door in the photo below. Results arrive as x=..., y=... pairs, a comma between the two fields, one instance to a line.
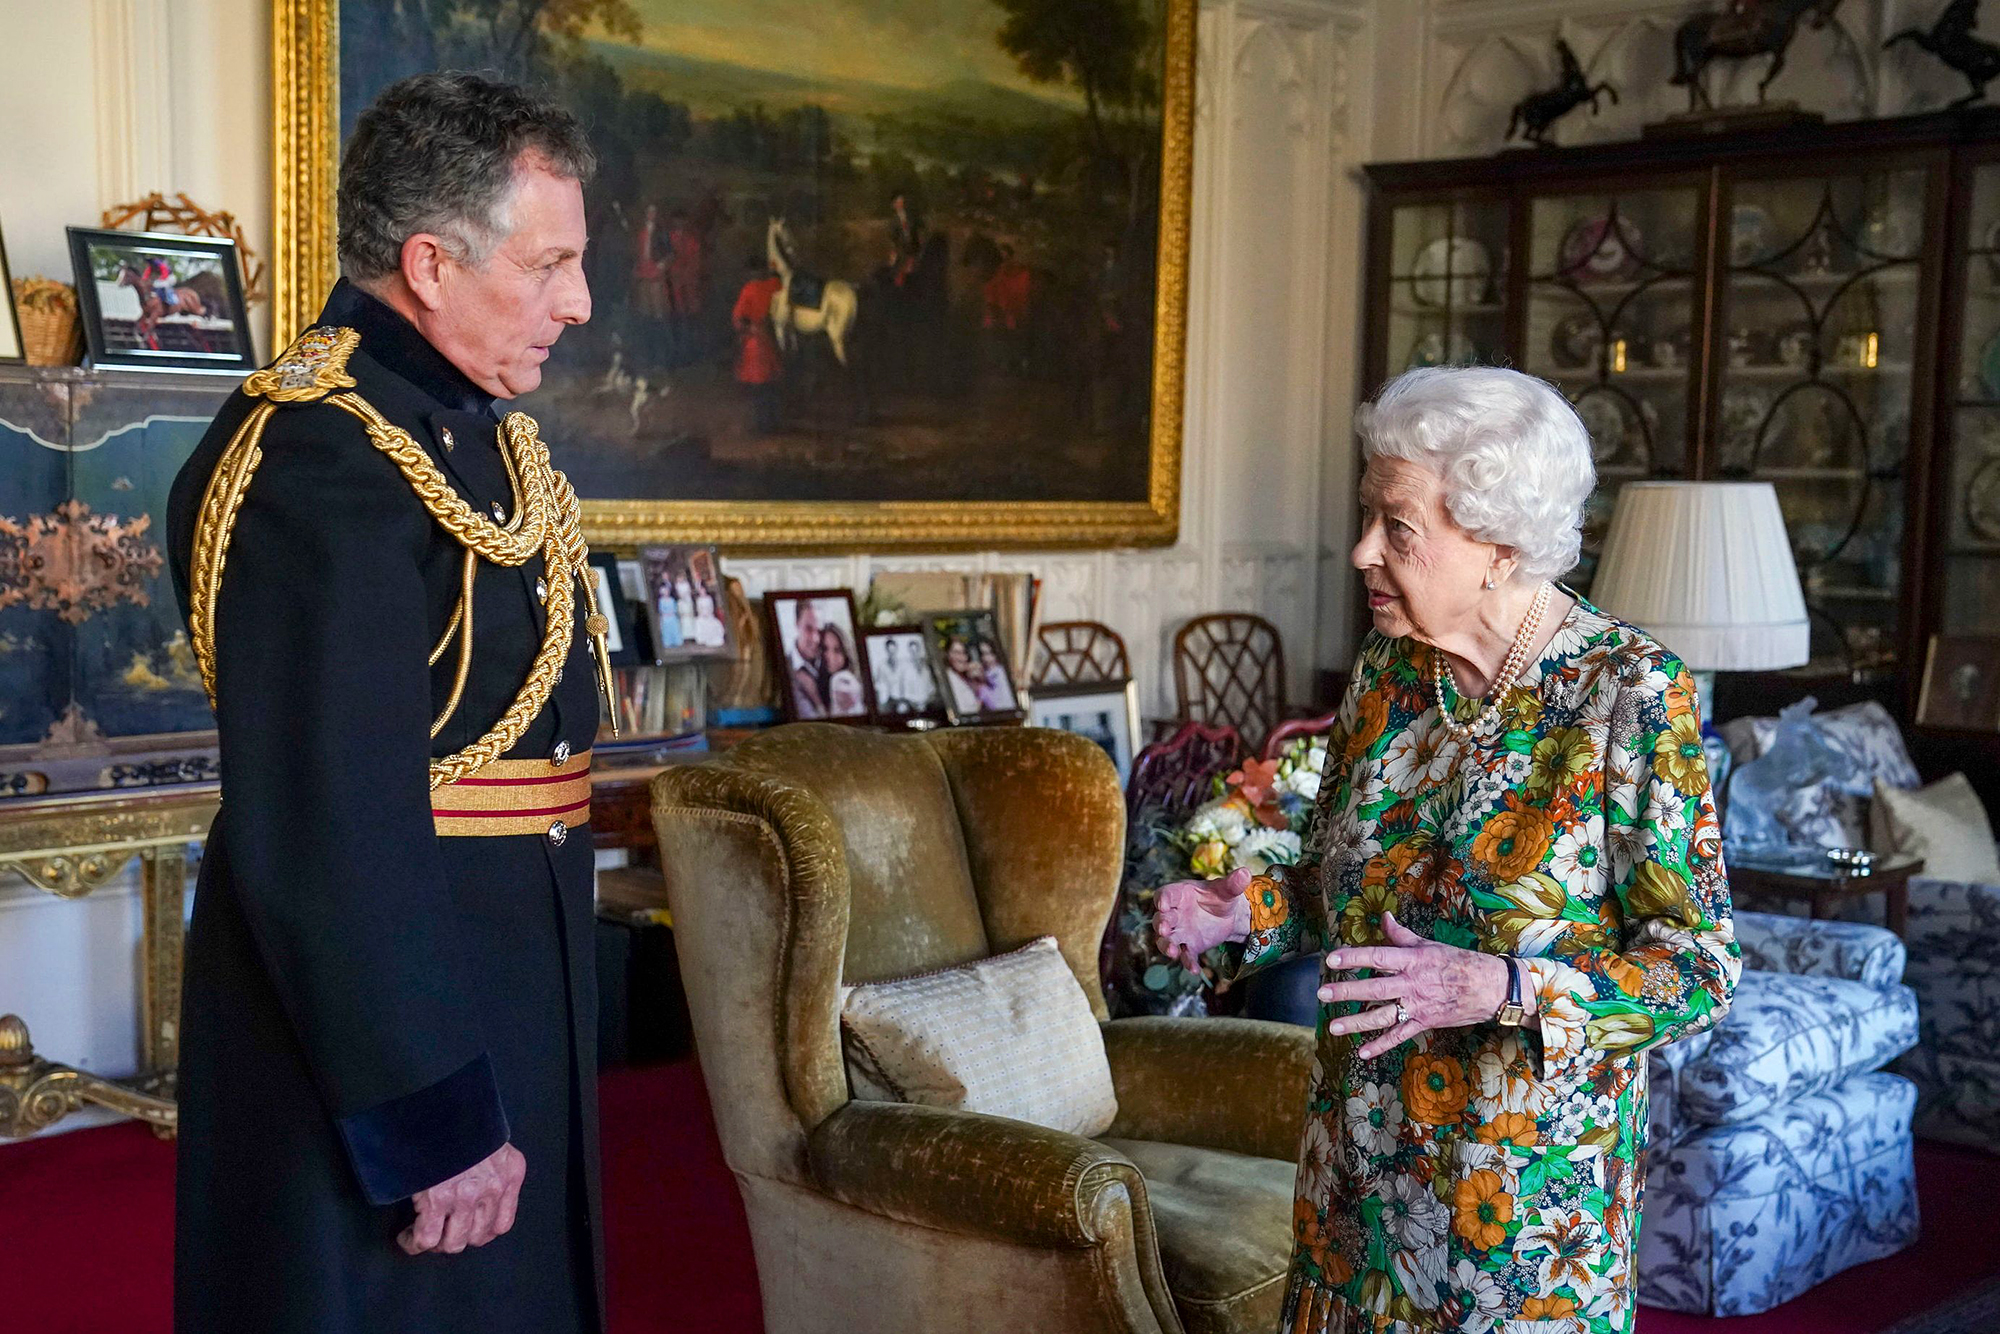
x=1817, y=323
x=1970, y=513
x=1610, y=305
x=1446, y=285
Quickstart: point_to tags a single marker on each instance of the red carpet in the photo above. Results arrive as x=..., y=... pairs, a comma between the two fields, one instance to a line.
x=86, y=1233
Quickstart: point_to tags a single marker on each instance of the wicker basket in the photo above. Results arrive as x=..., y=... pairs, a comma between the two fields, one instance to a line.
x=51, y=332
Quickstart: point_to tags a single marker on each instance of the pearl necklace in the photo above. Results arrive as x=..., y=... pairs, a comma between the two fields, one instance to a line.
x=1516, y=663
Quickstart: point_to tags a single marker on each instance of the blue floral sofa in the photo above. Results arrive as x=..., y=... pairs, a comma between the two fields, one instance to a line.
x=1780, y=1150
x=1953, y=935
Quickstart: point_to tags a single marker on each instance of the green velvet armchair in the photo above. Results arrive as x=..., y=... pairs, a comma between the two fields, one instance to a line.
x=817, y=855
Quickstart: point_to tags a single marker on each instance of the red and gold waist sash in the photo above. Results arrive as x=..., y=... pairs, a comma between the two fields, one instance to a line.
x=515, y=797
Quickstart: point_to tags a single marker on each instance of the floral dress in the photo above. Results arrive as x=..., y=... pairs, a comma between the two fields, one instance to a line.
x=1488, y=1178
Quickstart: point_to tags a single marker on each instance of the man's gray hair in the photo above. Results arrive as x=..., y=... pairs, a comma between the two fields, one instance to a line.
x=436, y=153
x=1514, y=457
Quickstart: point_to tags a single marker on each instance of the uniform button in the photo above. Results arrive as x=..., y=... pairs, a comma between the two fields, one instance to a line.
x=542, y=590
x=499, y=512
x=561, y=755
x=558, y=832
x=445, y=434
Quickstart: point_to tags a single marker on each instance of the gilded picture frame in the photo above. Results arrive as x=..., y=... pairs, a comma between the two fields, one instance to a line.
x=307, y=119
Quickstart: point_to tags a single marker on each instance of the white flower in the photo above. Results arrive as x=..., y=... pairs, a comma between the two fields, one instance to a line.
x=1218, y=820
x=1416, y=1218
x=1421, y=1272
x=1304, y=782
x=1573, y=1242
x=1407, y=761
x=1506, y=1083
x=1374, y=1119
x=1578, y=857
x=1627, y=845
x=1261, y=848
x=1319, y=1160
x=1666, y=811
x=1484, y=1297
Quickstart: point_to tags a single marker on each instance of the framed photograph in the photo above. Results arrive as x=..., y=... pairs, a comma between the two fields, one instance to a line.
x=903, y=687
x=156, y=302
x=13, y=350
x=939, y=301
x=969, y=657
x=1961, y=686
x=686, y=603
x=625, y=636
x=1107, y=712
x=812, y=635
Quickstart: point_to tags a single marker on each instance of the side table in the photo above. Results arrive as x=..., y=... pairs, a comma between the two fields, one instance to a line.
x=1827, y=885
x=69, y=846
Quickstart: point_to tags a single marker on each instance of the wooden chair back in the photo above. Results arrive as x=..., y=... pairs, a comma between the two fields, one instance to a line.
x=1229, y=669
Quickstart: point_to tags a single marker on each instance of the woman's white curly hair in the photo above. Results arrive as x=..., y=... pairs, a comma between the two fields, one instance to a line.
x=1514, y=457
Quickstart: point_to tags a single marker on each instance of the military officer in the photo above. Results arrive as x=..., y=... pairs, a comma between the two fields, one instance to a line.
x=387, y=1084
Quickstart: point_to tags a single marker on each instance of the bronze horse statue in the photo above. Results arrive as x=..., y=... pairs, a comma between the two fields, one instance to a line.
x=1745, y=28
x=1534, y=114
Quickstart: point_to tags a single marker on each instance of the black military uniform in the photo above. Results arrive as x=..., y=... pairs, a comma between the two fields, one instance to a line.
x=390, y=969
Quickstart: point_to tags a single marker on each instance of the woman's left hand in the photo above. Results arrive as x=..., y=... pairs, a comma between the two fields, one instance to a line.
x=1423, y=985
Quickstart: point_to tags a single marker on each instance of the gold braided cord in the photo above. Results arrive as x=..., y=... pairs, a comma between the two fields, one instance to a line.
x=450, y=629
x=219, y=502
x=547, y=520
x=463, y=614
x=473, y=529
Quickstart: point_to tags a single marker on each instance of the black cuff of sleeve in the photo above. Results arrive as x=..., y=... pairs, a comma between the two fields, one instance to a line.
x=413, y=1142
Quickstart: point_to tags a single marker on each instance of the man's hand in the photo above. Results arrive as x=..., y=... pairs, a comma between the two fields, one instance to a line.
x=470, y=1209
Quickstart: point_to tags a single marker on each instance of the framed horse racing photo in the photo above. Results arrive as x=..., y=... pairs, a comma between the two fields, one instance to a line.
x=154, y=302
x=920, y=284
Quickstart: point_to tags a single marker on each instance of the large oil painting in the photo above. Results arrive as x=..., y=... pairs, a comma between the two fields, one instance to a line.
x=865, y=272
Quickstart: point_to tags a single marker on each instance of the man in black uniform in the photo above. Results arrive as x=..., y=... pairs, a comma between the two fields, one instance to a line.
x=387, y=1083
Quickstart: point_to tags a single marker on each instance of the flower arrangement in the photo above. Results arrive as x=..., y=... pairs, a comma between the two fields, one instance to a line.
x=1257, y=818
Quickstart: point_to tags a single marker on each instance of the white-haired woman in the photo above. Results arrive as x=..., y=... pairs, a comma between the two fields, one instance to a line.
x=1516, y=865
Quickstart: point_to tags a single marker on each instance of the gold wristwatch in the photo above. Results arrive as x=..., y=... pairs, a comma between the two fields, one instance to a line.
x=1510, y=1011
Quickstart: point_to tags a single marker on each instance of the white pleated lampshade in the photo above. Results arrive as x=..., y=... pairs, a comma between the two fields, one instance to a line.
x=1706, y=569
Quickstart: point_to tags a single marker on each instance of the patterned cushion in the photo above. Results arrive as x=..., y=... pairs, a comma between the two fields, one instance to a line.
x=1786, y=1037
x=1666, y=1068
x=1954, y=936
x=1009, y=1036
x=1856, y=951
x=1835, y=814
x=1740, y=1218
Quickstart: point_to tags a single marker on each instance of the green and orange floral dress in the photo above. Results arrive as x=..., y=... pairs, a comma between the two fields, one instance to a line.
x=1487, y=1178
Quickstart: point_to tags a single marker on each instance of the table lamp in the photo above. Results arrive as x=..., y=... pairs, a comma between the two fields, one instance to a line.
x=1706, y=568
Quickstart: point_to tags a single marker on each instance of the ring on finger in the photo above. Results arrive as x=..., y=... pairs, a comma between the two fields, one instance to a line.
x=1402, y=1015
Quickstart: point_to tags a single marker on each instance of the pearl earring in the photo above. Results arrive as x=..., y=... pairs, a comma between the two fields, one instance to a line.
x=1489, y=581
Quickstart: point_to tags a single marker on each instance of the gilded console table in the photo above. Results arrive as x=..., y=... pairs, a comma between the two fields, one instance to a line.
x=69, y=846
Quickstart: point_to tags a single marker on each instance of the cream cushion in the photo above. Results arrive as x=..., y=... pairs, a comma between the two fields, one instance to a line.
x=1944, y=823
x=1008, y=1036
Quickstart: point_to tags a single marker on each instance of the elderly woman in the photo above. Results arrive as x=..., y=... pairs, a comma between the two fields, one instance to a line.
x=1516, y=865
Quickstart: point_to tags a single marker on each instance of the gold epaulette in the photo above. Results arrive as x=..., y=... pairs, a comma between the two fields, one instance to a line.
x=546, y=521
x=314, y=366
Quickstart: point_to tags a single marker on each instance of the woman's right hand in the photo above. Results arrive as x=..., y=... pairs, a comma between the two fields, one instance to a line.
x=1192, y=917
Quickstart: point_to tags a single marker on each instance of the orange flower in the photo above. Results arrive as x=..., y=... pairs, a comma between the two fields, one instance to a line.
x=1630, y=979
x=1509, y=1128
x=1513, y=840
x=1310, y=1231
x=1371, y=719
x=1408, y=852
x=1548, y=1308
x=1434, y=1089
x=1268, y=908
x=1481, y=1210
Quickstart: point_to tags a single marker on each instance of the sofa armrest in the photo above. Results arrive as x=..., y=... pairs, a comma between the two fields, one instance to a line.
x=1856, y=951
x=1235, y=1084
x=982, y=1176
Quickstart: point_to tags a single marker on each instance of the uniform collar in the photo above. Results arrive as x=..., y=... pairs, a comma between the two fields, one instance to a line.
x=395, y=344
